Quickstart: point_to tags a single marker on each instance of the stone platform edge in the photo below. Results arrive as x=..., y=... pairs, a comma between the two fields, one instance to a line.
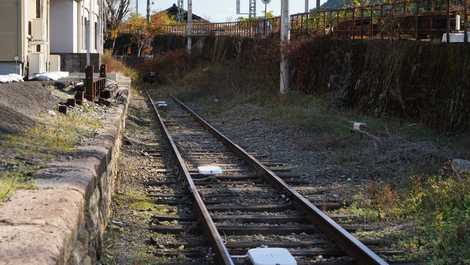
x=62, y=221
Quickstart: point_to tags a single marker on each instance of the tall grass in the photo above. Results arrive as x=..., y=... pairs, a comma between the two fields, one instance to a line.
x=114, y=65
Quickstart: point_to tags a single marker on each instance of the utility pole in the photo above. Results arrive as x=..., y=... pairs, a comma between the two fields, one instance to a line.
x=148, y=11
x=190, y=25
x=137, y=7
x=306, y=6
x=318, y=4
x=285, y=38
x=179, y=14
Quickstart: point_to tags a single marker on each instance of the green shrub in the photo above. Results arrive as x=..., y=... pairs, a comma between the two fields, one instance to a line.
x=442, y=205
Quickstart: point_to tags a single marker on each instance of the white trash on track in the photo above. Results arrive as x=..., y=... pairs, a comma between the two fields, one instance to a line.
x=210, y=170
x=161, y=104
x=271, y=256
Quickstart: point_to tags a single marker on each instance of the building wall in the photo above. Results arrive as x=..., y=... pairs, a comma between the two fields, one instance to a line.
x=11, y=44
x=18, y=45
x=64, y=26
x=80, y=22
x=38, y=44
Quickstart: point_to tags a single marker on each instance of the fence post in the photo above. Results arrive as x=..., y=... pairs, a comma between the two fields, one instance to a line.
x=382, y=22
x=371, y=26
x=353, y=30
x=465, y=37
x=448, y=21
x=362, y=22
x=103, y=71
x=90, y=90
x=417, y=19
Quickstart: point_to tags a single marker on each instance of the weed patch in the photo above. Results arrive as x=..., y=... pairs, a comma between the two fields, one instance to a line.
x=442, y=205
x=49, y=138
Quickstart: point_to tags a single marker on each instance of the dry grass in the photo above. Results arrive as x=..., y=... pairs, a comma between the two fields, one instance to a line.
x=114, y=65
x=33, y=147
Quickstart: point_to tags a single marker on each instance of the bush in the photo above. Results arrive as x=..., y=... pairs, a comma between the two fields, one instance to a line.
x=442, y=205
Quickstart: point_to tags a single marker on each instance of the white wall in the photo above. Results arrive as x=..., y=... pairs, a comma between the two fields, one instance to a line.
x=62, y=25
x=69, y=27
x=90, y=12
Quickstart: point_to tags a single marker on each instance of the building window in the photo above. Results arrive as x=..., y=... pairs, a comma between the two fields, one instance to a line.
x=38, y=48
x=38, y=8
x=96, y=36
x=30, y=30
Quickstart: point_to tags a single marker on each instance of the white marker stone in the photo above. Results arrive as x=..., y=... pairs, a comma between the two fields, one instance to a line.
x=271, y=256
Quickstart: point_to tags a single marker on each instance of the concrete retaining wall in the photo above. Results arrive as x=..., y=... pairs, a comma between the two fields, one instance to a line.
x=62, y=221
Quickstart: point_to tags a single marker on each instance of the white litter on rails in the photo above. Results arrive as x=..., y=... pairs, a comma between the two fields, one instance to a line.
x=161, y=104
x=210, y=170
x=271, y=256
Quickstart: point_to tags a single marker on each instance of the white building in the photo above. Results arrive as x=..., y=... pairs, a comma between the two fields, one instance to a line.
x=76, y=26
x=24, y=36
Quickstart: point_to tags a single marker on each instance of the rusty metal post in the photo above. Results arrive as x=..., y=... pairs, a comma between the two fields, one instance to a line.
x=90, y=90
x=362, y=22
x=417, y=5
x=353, y=30
x=103, y=71
x=371, y=26
x=465, y=37
x=382, y=23
x=79, y=96
x=393, y=15
x=337, y=19
x=448, y=21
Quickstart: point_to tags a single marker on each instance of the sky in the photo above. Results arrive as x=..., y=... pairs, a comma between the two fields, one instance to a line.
x=224, y=10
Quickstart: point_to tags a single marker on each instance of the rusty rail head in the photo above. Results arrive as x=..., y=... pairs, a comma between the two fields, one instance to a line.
x=343, y=239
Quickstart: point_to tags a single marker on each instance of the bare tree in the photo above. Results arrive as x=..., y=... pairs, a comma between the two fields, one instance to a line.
x=117, y=10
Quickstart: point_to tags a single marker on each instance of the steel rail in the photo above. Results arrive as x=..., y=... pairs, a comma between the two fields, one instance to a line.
x=222, y=254
x=342, y=238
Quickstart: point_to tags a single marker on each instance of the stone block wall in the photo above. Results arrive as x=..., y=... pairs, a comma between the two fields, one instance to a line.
x=62, y=221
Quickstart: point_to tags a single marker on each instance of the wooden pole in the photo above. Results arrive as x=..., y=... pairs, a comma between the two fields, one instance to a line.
x=190, y=25
x=285, y=37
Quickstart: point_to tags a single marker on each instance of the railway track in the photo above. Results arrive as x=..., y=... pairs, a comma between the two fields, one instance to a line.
x=249, y=205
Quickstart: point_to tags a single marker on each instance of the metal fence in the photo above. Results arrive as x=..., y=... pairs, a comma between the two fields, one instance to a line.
x=405, y=19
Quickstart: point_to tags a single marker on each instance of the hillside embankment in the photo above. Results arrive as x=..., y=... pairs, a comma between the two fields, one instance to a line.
x=405, y=177
x=425, y=82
